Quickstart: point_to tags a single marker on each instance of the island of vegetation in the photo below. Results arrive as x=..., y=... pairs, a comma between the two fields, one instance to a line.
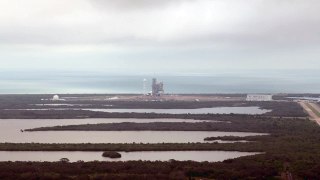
x=238, y=123
x=111, y=154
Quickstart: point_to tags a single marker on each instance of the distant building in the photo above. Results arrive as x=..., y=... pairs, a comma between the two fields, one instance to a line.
x=157, y=87
x=259, y=97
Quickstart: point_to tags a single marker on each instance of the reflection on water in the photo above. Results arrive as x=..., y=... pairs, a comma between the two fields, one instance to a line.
x=73, y=156
x=215, y=110
x=253, y=110
x=10, y=132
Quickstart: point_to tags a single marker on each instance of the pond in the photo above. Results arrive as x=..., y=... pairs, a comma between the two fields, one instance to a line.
x=73, y=156
x=215, y=110
x=10, y=132
x=252, y=110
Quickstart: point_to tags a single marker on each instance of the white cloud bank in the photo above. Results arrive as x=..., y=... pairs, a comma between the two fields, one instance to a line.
x=197, y=35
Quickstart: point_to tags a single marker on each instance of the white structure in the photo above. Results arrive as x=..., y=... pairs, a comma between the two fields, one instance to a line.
x=144, y=86
x=157, y=87
x=55, y=98
x=259, y=97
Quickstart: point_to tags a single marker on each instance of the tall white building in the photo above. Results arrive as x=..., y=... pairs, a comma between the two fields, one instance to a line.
x=259, y=97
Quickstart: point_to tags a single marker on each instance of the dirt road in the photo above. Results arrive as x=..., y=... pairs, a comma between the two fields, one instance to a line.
x=312, y=109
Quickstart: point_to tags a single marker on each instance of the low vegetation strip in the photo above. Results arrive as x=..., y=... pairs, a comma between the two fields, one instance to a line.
x=237, y=138
x=253, y=147
x=259, y=125
x=143, y=170
x=155, y=126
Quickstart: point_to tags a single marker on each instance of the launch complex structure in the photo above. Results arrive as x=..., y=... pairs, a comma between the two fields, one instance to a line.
x=157, y=87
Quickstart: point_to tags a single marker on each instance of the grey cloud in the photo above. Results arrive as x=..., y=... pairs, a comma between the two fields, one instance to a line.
x=258, y=24
x=135, y=4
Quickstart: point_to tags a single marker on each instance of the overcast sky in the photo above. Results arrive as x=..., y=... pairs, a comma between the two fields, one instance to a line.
x=198, y=36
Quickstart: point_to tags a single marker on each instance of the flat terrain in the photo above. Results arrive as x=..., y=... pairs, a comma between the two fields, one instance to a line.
x=313, y=110
x=70, y=106
x=165, y=97
x=289, y=147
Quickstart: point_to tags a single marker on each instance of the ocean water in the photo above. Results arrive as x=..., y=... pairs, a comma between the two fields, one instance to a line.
x=32, y=82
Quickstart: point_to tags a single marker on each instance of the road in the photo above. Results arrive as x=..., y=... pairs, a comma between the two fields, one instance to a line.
x=312, y=109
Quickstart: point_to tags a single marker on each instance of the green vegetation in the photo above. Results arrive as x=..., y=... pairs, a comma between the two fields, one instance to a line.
x=243, y=147
x=64, y=160
x=241, y=124
x=292, y=147
x=111, y=154
x=237, y=138
x=140, y=170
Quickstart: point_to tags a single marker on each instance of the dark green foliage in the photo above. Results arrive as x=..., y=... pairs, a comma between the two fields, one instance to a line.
x=111, y=154
x=236, y=123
